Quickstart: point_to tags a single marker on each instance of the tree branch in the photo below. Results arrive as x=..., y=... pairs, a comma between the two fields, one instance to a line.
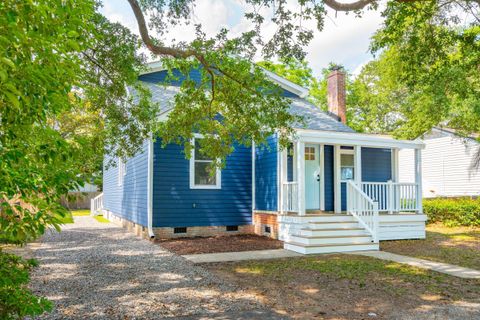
x=340, y=6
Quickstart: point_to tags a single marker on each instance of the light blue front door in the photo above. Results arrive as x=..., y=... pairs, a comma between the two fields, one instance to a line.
x=312, y=177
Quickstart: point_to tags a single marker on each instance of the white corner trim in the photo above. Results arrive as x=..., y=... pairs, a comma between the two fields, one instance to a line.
x=253, y=177
x=218, y=174
x=150, y=188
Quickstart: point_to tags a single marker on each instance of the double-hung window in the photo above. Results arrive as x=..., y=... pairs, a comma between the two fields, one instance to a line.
x=201, y=175
x=347, y=166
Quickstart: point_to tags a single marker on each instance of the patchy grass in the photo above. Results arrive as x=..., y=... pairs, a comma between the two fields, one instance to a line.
x=101, y=219
x=347, y=286
x=80, y=213
x=455, y=245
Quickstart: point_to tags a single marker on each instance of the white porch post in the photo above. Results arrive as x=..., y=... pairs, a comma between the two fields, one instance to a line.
x=418, y=179
x=283, y=178
x=322, y=177
x=395, y=180
x=337, y=180
x=300, y=155
x=358, y=166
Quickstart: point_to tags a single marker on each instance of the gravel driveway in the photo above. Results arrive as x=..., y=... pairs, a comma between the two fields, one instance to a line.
x=95, y=270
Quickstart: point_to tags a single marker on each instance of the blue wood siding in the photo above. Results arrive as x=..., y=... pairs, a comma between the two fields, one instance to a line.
x=329, y=187
x=266, y=183
x=376, y=164
x=130, y=199
x=176, y=205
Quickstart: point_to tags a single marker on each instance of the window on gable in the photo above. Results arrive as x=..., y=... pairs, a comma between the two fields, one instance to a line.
x=201, y=175
x=122, y=171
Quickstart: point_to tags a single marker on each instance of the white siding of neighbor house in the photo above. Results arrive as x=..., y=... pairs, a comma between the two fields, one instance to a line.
x=446, y=166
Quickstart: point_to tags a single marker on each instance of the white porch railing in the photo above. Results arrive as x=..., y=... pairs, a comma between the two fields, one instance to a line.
x=393, y=196
x=363, y=208
x=290, y=196
x=96, y=204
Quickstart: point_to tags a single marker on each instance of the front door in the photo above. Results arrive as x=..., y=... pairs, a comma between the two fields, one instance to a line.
x=312, y=177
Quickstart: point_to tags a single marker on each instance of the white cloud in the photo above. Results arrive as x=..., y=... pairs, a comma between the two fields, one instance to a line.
x=345, y=39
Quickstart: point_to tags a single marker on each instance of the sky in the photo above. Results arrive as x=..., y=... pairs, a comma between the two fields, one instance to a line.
x=344, y=40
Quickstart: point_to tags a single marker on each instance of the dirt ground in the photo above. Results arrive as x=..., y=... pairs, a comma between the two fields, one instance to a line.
x=454, y=245
x=183, y=246
x=353, y=287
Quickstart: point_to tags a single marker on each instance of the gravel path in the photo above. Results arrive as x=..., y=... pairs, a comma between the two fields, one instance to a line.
x=95, y=270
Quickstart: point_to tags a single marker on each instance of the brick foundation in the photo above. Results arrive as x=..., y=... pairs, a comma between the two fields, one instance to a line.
x=168, y=232
x=264, y=221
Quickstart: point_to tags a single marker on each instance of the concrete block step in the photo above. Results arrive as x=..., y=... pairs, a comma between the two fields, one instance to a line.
x=308, y=232
x=328, y=240
x=332, y=248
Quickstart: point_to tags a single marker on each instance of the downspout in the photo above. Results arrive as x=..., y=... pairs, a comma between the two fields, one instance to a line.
x=150, y=189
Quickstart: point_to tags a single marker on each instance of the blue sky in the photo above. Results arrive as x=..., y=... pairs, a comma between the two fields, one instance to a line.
x=344, y=40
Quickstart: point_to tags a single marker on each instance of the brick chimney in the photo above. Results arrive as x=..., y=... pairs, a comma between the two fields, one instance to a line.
x=336, y=94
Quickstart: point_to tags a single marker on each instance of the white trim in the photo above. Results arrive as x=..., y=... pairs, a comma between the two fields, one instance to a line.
x=322, y=177
x=283, y=175
x=218, y=176
x=300, y=146
x=150, y=188
x=357, y=167
x=418, y=179
x=286, y=84
x=253, y=177
x=395, y=168
x=337, y=184
x=279, y=174
x=356, y=139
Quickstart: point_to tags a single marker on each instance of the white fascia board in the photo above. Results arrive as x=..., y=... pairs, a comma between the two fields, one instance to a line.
x=286, y=84
x=356, y=139
x=153, y=66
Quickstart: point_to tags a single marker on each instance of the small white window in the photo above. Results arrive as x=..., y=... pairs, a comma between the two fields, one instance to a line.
x=309, y=153
x=200, y=170
x=347, y=166
x=122, y=171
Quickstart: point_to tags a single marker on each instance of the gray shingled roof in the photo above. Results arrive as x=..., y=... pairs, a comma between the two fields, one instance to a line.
x=314, y=118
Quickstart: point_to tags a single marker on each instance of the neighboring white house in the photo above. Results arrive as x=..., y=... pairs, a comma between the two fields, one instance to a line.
x=447, y=165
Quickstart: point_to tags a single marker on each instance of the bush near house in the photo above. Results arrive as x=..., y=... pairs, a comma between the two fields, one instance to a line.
x=453, y=211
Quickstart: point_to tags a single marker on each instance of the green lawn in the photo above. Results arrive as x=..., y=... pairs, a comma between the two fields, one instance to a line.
x=101, y=219
x=66, y=219
x=79, y=213
x=455, y=245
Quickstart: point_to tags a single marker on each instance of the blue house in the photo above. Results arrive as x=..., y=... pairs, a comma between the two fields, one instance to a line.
x=332, y=190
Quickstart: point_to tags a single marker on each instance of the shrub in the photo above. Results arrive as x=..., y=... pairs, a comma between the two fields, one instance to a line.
x=16, y=300
x=453, y=211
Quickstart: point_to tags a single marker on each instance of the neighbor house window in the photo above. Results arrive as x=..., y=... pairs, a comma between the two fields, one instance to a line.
x=122, y=171
x=347, y=166
x=201, y=175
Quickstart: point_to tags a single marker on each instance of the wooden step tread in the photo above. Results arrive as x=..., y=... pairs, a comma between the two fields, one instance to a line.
x=329, y=222
x=332, y=237
x=330, y=244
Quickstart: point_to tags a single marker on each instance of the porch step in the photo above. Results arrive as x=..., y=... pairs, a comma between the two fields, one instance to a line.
x=315, y=232
x=333, y=225
x=330, y=248
x=330, y=218
x=331, y=240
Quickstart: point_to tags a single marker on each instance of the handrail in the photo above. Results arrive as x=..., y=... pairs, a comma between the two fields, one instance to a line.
x=96, y=204
x=363, y=208
x=393, y=196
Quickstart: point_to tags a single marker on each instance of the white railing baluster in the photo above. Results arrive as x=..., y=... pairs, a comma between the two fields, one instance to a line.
x=363, y=208
x=392, y=197
x=290, y=196
x=96, y=204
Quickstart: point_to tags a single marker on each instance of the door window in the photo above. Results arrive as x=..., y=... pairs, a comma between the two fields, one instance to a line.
x=347, y=166
x=309, y=153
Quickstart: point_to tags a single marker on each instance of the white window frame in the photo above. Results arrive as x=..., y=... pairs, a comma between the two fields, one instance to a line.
x=218, y=178
x=122, y=171
x=347, y=151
